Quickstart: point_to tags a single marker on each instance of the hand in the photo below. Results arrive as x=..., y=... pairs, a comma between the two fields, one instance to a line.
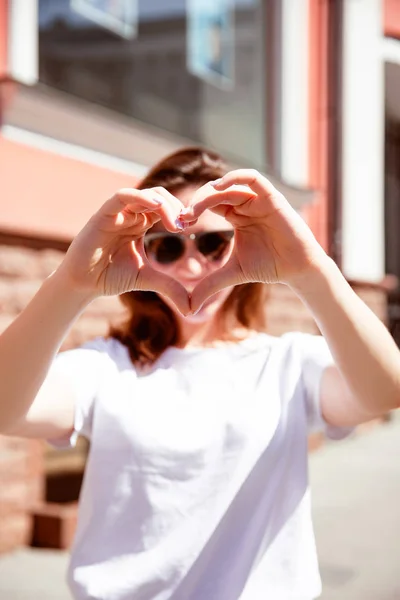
x=272, y=242
x=108, y=258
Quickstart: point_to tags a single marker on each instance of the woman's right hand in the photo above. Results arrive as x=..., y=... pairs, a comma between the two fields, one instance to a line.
x=107, y=257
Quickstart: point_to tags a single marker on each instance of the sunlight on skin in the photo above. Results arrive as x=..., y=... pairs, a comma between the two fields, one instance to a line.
x=137, y=255
x=96, y=258
x=120, y=219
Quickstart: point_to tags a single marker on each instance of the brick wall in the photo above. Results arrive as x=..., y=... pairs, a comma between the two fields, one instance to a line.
x=24, y=463
x=21, y=487
x=287, y=313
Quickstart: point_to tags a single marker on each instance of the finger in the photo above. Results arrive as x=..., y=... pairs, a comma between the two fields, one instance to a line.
x=171, y=209
x=250, y=177
x=157, y=200
x=151, y=280
x=234, y=196
x=226, y=276
x=173, y=200
x=147, y=206
x=130, y=198
x=132, y=201
x=168, y=208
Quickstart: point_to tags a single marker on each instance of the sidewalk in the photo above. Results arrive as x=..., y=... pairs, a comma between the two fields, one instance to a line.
x=356, y=504
x=34, y=574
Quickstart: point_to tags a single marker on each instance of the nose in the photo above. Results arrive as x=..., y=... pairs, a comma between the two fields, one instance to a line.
x=192, y=265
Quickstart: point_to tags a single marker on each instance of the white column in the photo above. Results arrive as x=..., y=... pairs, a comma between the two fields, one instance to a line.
x=363, y=142
x=294, y=92
x=23, y=44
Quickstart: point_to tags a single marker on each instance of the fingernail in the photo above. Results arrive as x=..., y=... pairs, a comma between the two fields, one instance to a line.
x=216, y=182
x=179, y=224
x=158, y=201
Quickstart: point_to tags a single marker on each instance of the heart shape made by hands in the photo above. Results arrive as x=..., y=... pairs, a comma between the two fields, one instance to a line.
x=228, y=273
x=169, y=247
x=272, y=243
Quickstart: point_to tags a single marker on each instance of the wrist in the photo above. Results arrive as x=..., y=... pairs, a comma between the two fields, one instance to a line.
x=321, y=278
x=62, y=286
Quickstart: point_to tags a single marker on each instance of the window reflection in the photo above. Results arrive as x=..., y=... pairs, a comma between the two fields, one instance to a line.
x=192, y=67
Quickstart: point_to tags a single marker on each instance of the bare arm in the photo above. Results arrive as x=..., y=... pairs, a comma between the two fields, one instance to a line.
x=106, y=258
x=27, y=348
x=274, y=244
x=366, y=380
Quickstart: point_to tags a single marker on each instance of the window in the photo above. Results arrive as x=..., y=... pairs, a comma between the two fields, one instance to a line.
x=192, y=67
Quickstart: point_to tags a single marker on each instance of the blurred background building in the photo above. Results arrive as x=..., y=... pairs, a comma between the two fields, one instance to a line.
x=92, y=92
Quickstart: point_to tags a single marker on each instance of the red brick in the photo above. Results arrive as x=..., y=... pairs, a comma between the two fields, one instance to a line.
x=15, y=492
x=7, y=295
x=18, y=262
x=88, y=328
x=48, y=261
x=106, y=306
x=30, y=446
x=24, y=290
x=54, y=525
x=15, y=531
x=21, y=487
x=13, y=464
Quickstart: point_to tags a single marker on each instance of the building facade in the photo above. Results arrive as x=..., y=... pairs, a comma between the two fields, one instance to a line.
x=92, y=93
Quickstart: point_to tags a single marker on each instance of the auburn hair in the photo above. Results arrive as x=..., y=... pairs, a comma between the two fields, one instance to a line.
x=151, y=326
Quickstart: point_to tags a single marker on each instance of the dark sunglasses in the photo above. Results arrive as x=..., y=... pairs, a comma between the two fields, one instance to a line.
x=166, y=248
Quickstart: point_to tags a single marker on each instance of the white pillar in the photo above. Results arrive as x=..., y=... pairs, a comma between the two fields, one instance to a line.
x=294, y=92
x=23, y=41
x=363, y=142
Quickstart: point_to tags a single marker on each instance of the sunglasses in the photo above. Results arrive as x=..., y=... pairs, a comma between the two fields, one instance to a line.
x=167, y=248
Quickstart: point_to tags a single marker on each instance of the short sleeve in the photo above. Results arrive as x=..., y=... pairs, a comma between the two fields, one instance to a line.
x=315, y=357
x=83, y=369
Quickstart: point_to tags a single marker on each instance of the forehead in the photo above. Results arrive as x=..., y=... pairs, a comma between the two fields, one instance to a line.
x=207, y=221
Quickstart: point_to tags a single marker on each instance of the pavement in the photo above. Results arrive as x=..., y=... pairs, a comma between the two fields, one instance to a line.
x=355, y=486
x=356, y=504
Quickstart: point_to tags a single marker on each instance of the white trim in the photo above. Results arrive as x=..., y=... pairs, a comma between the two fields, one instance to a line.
x=125, y=25
x=294, y=92
x=23, y=41
x=363, y=233
x=85, y=155
x=390, y=50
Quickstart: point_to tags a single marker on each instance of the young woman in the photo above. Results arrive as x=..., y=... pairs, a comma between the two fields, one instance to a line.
x=196, y=482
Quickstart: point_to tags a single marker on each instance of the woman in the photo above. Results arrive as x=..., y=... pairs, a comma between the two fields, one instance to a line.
x=196, y=481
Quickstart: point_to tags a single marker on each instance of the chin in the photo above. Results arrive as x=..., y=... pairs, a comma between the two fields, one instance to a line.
x=210, y=307
x=207, y=311
x=204, y=314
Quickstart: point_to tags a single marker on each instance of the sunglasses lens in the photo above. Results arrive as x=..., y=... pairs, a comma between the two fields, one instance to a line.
x=214, y=244
x=165, y=249
x=168, y=248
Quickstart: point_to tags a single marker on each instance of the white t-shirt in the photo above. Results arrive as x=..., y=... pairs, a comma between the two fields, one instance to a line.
x=196, y=483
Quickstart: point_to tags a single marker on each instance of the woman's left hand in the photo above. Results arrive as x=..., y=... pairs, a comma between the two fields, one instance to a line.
x=272, y=242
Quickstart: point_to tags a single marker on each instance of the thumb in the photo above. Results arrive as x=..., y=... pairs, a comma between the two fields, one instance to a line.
x=154, y=281
x=225, y=277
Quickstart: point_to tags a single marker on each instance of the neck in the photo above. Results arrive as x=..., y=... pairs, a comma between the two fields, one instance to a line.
x=195, y=332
